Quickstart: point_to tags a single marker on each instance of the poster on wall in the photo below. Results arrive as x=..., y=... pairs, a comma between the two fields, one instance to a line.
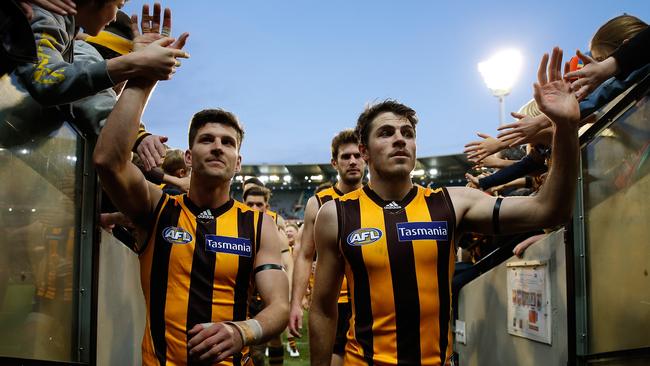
x=529, y=300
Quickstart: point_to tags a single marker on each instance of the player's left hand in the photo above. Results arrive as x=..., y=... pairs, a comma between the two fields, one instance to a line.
x=213, y=342
x=553, y=92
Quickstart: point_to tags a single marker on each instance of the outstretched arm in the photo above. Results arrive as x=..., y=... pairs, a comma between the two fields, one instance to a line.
x=554, y=202
x=123, y=181
x=323, y=313
x=302, y=268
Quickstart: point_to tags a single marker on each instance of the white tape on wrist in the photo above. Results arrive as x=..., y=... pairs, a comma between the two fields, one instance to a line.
x=250, y=331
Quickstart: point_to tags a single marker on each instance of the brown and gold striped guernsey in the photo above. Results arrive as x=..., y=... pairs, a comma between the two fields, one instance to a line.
x=322, y=197
x=399, y=260
x=273, y=214
x=195, y=268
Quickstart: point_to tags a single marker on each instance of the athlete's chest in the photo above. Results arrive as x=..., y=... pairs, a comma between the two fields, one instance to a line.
x=381, y=236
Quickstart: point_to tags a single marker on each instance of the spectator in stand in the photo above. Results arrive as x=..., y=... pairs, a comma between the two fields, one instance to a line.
x=174, y=166
x=618, y=48
x=610, y=41
x=598, y=87
x=57, y=79
x=18, y=45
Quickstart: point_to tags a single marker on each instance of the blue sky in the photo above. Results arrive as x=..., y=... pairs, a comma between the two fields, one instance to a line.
x=297, y=72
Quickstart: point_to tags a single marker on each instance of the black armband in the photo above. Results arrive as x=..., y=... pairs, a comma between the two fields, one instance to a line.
x=264, y=267
x=284, y=250
x=529, y=181
x=495, y=216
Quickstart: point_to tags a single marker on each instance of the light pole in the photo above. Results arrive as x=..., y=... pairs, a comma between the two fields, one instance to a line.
x=500, y=73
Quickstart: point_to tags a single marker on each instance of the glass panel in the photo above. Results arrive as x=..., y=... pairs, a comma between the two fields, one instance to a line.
x=39, y=206
x=617, y=216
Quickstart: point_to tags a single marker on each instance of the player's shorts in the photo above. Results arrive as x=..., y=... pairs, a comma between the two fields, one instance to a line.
x=345, y=311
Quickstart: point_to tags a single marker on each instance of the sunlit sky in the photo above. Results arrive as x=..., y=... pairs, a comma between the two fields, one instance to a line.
x=297, y=72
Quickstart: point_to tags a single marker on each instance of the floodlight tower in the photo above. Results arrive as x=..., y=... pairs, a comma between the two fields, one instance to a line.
x=500, y=73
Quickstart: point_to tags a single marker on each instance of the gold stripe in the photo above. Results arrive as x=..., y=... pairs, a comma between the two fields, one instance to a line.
x=112, y=41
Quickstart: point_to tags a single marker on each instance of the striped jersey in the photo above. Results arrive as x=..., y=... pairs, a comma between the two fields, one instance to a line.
x=399, y=261
x=196, y=268
x=322, y=197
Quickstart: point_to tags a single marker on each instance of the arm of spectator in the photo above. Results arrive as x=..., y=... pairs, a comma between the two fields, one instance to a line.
x=151, y=150
x=302, y=267
x=523, y=131
x=523, y=167
x=554, y=202
x=633, y=53
x=493, y=161
x=517, y=183
x=214, y=343
x=480, y=149
x=53, y=79
x=591, y=75
x=609, y=90
x=521, y=247
x=108, y=221
x=61, y=7
x=182, y=183
x=329, y=276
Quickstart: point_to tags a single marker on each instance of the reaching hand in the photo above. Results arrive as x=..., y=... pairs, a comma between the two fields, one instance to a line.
x=592, y=74
x=152, y=151
x=61, y=7
x=158, y=61
x=295, y=321
x=479, y=150
x=553, y=93
x=491, y=161
x=523, y=130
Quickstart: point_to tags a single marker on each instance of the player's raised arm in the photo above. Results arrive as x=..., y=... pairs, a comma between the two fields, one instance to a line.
x=554, y=202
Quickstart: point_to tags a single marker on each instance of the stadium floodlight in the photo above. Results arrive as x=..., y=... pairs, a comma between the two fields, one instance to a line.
x=264, y=178
x=316, y=178
x=417, y=173
x=500, y=73
x=274, y=178
x=433, y=172
x=239, y=178
x=287, y=179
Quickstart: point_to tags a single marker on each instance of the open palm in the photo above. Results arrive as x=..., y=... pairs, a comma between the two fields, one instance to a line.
x=553, y=93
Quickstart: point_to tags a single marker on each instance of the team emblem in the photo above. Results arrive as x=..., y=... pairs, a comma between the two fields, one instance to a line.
x=364, y=236
x=177, y=235
x=428, y=230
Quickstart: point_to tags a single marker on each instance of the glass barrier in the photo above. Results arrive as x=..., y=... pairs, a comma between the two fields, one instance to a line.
x=616, y=186
x=40, y=199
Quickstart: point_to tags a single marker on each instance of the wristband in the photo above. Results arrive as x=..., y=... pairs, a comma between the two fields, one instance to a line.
x=250, y=331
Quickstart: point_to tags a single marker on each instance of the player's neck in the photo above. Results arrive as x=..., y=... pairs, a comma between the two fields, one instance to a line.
x=212, y=196
x=391, y=190
x=347, y=188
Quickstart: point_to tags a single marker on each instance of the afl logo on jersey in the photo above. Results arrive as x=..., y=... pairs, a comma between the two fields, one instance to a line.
x=364, y=236
x=177, y=235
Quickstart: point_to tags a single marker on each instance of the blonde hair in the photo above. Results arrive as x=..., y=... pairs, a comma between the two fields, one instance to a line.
x=174, y=160
x=612, y=34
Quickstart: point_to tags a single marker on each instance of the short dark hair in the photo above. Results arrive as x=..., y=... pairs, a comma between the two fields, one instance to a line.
x=254, y=180
x=216, y=115
x=257, y=191
x=373, y=110
x=342, y=138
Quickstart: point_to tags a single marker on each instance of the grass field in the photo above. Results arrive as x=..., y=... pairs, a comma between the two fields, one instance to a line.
x=303, y=347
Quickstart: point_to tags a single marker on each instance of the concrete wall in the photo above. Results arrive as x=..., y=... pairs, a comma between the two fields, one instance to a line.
x=483, y=307
x=121, y=312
